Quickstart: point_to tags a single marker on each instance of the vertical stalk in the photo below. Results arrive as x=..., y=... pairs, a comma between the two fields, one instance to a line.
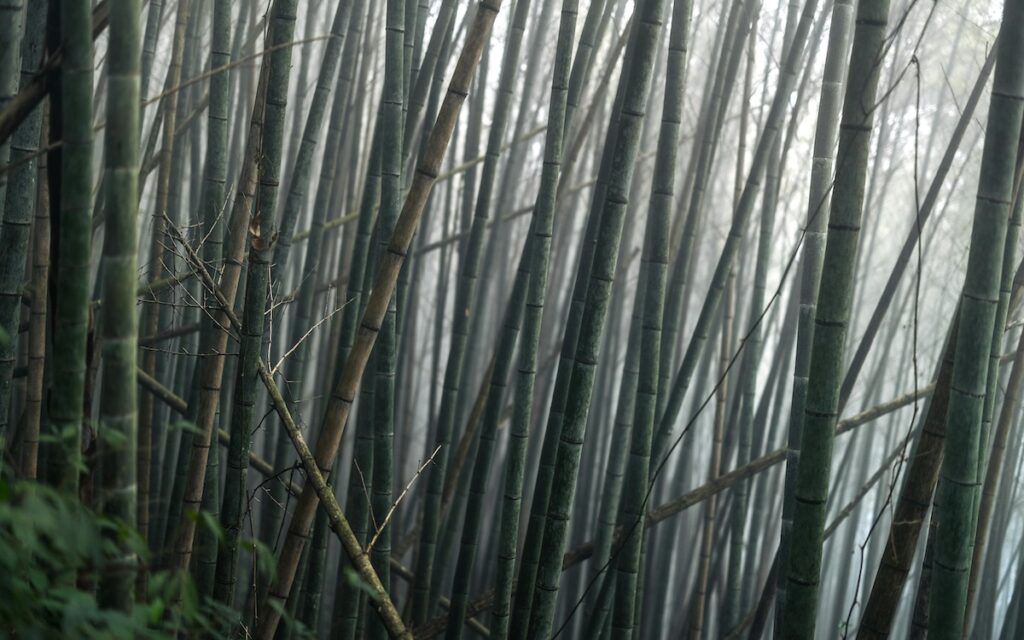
x=119, y=333
x=832, y=316
x=261, y=237
x=74, y=244
x=822, y=164
x=635, y=81
x=959, y=479
x=655, y=273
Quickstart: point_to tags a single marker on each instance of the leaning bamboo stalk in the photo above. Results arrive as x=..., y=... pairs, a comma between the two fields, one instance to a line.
x=316, y=479
x=628, y=583
x=677, y=391
x=564, y=440
x=983, y=512
x=391, y=260
x=385, y=358
x=524, y=310
x=179, y=406
x=360, y=558
x=465, y=311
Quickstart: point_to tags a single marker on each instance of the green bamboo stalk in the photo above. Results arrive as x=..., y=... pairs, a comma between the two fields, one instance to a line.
x=211, y=230
x=166, y=444
x=811, y=259
x=208, y=543
x=1009, y=409
x=636, y=84
x=751, y=358
x=674, y=506
x=168, y=367
x=301, y=168
x=506, y=85
x=419, y=39
x=582, y=60
x=699, y=604
x=530, y=289
x=831, y=318
x=655, y=266
x=118, y=418
x=349, y=598
x=768, y=422
x=358, y=269
x=544, y=475
x=296, y=364
x=718, y=88
x=262, y=236
x=481, y=465
x=1003, y=466
x=421, y=83
x=293, y=379
x=1012, y=624
x=409, y=38
x=74, y=244
x=360, y=481
x=957, y=491
x=1009, y=265
x=912, y=240
x=385, y=357
x=600, y=604
x=922, y=473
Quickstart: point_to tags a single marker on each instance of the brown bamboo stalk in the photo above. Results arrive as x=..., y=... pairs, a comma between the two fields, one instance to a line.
x=389, y=614
x=344, y=393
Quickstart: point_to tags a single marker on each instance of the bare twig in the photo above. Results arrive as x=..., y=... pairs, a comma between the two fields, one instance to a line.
x=401, y=497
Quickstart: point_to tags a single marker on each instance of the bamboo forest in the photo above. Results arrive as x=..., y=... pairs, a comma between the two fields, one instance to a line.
x=511, y=319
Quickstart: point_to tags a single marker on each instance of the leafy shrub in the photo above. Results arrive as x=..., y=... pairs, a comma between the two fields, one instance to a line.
x=53, y=551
